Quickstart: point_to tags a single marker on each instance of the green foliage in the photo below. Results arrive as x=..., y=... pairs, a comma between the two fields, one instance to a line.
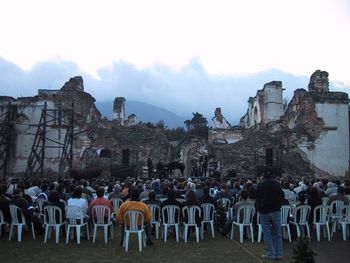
x=302, y=253
x=176, y=134
x=197, y=125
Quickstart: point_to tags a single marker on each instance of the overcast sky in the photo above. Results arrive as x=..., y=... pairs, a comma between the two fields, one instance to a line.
x=169, y=52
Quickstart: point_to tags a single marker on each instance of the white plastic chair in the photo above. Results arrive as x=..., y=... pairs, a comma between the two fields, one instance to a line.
x=336, y=213
x=258, y=223
x=18, y=220
x=134, y=223
x=116, y=203
x=50, y=220
x=75, y=219
x=155, y=220
x=300, y=219
x=226, y=204
x=345, y=220
x=101, y=217
x=325, y=200
x=285, y=212
x=321, y=218
x=171, y=217
x=40, y=205
x=191, y=212
x=208, y=217
x=2, y=221
x=245, y=215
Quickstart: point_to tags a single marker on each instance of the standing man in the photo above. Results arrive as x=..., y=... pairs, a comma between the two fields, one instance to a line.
x=269, y=196
x=150, y=167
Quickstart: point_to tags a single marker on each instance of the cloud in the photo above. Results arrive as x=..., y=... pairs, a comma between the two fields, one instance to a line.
x=189, y=89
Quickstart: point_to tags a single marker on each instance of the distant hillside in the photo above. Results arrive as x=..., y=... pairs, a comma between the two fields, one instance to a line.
x=144, y=112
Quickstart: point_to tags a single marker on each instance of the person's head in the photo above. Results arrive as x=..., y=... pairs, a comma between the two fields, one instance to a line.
x=53, y=196
x=100, y=192
x=286, y=185
x=171, y=194
x=152, y=195
x=268, y=175
x=313, y=192
x=77, y=192
x=18, y=192
x=191, y=197
x=44, y=187
x=223, y=187
x=206, y=192
x=341, y=190
x=244, y=194
x=135, y=194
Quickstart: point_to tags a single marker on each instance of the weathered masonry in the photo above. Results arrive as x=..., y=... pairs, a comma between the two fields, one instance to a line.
x=58, y=131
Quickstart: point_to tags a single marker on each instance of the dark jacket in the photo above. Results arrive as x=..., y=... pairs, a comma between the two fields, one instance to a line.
x=269, y=196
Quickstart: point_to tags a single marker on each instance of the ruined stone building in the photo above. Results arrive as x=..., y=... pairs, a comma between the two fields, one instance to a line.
x=58, y=131
x=309, y=137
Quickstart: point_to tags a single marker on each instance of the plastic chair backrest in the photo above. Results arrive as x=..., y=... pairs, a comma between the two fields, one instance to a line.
x=40, y=202
x=74, y=213
x=100, y=213
x=321, y=214
x=285, y=212
x=346, y=213
x=325, y=200
x=17, y=215
x=133, y=220
x=225, y=203
x=301, y=214
x=336, y=208
x=208, y=212
x=50, y=212
x=245, y=214
x=191, y=212
x=171, y=214
x=116, y=202
x=155, y=212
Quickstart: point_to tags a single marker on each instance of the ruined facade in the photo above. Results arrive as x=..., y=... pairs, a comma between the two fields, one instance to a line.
x=266, y=106
x=61, y=130
x=310, y=137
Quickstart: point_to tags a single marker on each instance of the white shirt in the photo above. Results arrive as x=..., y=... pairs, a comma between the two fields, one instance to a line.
x=80, y=202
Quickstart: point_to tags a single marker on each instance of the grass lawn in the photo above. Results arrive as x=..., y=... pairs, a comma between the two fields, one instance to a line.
x=220, y=249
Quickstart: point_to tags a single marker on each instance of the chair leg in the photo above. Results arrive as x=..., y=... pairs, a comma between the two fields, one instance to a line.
x=57, y=233
x=140, y=237
x=157, y=230
x=19, y=232
x=212, y=229
x=259, y=233
x=87, y=232
x=177, y=233
x=343, y=227
x=288, y=229
x=241, y=233
x=126, y=241
x=298, y=231
x=111, y=229
x=197, y=234
x=67, y=234
x=46, y=233
x=11, y=231
x=308, y=230
x=232, y=231
x=166, y=232
x=78, y=228
x=105, y=233
x=185, y=233
x=33, y=231
x=318, y=232
x=95, y=232
x=252, y=232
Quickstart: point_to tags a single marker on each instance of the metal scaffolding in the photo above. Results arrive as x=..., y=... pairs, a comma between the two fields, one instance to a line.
x=62, y=121
x=6, y=127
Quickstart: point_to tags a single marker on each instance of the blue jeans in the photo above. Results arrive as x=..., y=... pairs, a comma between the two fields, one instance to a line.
x=271, y=226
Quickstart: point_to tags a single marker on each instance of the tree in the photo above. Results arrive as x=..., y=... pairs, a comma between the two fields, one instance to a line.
x=197, y=125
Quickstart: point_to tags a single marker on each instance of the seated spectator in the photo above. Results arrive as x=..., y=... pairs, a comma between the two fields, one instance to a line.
x=100, y=200
x=53, y=199
x=332, y=189
x=116, y=192
x=340, y=195
x=314, y=199
x=152, y=199
x=146, y=192
x=223, y=193
x=207, y=198
x=191, y=200
x=244, y=200
x=77, y=200
x=44, y=192
x=4, y=205
x=288, y=194
x=27, y=211
x=135, y=204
